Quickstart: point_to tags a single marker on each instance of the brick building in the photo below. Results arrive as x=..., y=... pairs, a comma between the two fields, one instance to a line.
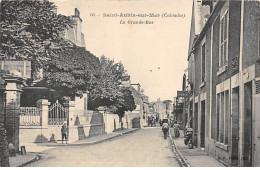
x=224, y=79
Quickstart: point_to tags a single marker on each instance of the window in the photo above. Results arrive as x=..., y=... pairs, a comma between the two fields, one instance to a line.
x=223, y=117
x=223, y=54
x=203, y=63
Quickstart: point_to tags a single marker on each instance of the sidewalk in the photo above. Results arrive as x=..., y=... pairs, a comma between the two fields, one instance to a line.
x=192, y=157
x=23, y=160
x=34, y=149
x=91, y=140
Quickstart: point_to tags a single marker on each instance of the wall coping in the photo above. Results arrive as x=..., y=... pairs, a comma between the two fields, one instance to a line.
x=221, y=146
x=32, y=127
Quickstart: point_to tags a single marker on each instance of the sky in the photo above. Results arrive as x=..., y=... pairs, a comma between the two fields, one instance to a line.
x=154, y=55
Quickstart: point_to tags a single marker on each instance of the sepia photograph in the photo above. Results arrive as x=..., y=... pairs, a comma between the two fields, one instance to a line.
x=129, y=83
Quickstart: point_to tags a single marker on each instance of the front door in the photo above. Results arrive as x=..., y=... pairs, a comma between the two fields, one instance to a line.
x=195, y=123
x=247, y=142
x=235, y=127
x=202, y=130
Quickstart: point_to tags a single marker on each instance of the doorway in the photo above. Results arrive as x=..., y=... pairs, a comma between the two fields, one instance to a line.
x=247, y=134
x=195, y=123
x=235, y=127
x=202, y=129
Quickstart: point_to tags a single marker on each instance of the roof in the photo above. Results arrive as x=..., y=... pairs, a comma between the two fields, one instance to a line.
x=200, y=14
x=198, y=38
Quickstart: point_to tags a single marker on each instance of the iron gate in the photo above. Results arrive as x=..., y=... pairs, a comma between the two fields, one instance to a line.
x=57, y=114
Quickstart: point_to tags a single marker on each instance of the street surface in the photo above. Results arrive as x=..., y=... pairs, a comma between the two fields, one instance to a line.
x=143, y=148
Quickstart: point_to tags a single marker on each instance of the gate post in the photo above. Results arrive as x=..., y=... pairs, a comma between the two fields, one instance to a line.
x=71, y=113
x=43, y=106
x=12, y=118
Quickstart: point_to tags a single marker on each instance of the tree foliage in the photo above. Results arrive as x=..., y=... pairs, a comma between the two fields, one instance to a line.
x=30, y=30
x=125, y=102
x=75, y=71
x=72, y=72
x=111, y=76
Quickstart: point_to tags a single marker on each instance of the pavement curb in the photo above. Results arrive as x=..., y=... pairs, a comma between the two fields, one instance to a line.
x=37, y=158
x=95, y=142
x=183, y=160
x=103, y=140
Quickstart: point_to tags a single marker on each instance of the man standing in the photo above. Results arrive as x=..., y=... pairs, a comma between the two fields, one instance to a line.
x=64, y=132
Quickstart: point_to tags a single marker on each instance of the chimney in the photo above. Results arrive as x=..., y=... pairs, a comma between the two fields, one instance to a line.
x=77, y=13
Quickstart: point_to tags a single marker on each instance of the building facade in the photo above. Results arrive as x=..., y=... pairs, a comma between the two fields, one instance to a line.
x=168, y=108
x=159, y=109
x=224, y=80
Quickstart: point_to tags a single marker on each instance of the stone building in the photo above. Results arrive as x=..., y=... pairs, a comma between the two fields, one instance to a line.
x=159, y=109
x=74, y=34
x=138, y=115
x=168, y=107
x=224, y=79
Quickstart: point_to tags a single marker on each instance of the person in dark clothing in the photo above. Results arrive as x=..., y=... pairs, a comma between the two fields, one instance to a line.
x=165, y=128
x=64, y=132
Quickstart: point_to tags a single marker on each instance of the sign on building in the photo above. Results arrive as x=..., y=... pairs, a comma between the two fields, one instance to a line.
x=181, y=93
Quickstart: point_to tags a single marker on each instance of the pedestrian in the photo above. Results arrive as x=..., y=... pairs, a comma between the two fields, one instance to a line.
x=176, y=130
x=165, y=128
x=64, y=132
x=160, y=122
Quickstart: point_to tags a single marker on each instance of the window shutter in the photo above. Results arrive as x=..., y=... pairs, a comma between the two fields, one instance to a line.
x=257, y=87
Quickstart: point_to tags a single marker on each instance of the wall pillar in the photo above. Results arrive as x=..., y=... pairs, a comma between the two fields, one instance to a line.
x=102, y=110
x=12, y=119
x=81, y=108
x=72, y=114
x=43, y=106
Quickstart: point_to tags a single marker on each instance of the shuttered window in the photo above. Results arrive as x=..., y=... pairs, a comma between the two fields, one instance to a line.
x=223, y=55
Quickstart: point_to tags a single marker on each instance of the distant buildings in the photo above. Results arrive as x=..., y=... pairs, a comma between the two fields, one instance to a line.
x=142, y=105
x=168, y=108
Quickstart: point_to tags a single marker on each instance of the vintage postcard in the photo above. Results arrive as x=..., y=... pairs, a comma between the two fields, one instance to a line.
x=129, y=83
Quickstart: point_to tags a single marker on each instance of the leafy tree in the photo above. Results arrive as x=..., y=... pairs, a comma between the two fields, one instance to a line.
x=72, y=72
x=106, y=91
x=125, y=102
x=31, y=30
